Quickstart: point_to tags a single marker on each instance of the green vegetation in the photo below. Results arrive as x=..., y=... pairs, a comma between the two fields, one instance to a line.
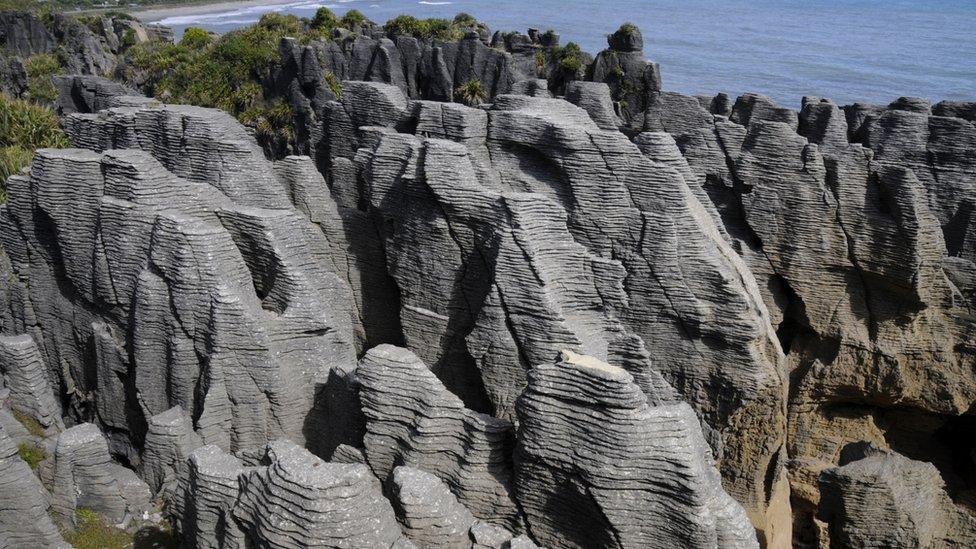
x=433, y=28
x=627, y=28
x=465, y=20
x=353, y=18
x=24, y=127
x=325, y=19
x=32, y=425
x=569, y=57
x=471, y=92
x=40, y=70
x=541, y=62
x=92, y=532
x=226, y=72
x=129, y=38
x=334, y=84
x=195, y=38
x=31, y=453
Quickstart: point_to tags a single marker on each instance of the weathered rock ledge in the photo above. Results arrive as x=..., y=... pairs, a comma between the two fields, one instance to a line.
x=543, y=321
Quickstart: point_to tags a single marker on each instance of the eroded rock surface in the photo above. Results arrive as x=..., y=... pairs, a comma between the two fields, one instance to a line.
x=590, y=313
x=24, y=507
x=597, y=466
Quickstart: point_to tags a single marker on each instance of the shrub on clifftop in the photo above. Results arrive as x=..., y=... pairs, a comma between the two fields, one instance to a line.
x=24, y=127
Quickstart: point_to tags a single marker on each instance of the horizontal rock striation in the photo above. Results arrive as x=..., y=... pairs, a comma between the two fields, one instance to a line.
x=597, y=466
x=887, y=500
x=412, y=420
x=853, y=222
x=163, y=290
x=24, y=508
x=25, y=377
x=86, y=477
x=430, y=514
x=589, y=313
x=300, y=501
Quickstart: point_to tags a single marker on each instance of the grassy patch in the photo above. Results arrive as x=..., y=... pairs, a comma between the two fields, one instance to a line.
x=32, y=425
x=24, y=127
x=628, y=28
x=92, y=532
x=31, y=453
x=334, y=84
x=40, y=71
x=471, y=92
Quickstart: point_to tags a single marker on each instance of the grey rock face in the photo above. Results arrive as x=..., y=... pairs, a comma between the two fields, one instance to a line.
x=198, y=244
x=594, y=98
x=888, y=500
x=85, y=476
x=203, y=509
x=430, y=514
x=24, y=518
x=90, y=94
x=411, y=419
x=24, y=34
x=479, y=225
x=597, y=466
x=25, y=376
x=300, y=501
x=170, y=439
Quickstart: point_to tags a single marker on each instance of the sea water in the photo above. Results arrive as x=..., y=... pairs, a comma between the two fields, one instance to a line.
x=848, y=50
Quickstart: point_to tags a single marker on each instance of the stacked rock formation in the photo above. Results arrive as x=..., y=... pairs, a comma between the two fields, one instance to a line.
x=24, y=509
x=502, y=326
x=25, y=377
x=598, y=467
x=86, y=477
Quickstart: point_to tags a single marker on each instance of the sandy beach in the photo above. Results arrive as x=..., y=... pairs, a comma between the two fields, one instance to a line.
x=152, y=14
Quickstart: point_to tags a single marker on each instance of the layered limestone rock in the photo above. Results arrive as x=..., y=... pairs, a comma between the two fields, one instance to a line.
x=861, y=258
x=25, y=377
x=170, y=440
x=202, y=509
x=484, y=216
x=598, y=466
x=887, y=500
x=413, y=420
x=197, y=301
x=300, y=501
x=428, y=512
x=24, y=508
x=199, y=286
x=634, y=81
x=86, y=477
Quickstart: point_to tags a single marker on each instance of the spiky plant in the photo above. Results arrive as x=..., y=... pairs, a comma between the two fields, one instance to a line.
x=471, y=92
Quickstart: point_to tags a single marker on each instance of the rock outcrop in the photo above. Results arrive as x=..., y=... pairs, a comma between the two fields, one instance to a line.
x=411, y=419
x=590, y=313
x=25, y=377
x=428, y=512
x=92, y=45
x=598, y=466
x=887, y=500
x=24, y=508
x=300, y=501
x=86, y=477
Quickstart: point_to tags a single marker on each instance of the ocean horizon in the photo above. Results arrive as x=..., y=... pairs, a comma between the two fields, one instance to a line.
x=850, y=50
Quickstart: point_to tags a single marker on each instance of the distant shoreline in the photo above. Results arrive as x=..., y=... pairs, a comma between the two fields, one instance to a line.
x=155, y=14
